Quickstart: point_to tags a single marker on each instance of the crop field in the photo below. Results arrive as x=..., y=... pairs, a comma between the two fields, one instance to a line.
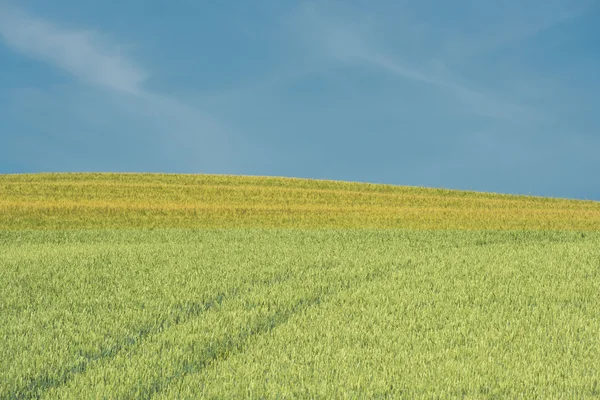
x=100, y=201
x=197, y=286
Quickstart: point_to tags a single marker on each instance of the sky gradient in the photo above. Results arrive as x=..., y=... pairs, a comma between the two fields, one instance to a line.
x=487, y=96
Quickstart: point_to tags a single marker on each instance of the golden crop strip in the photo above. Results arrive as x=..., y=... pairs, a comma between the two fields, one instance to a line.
x=88, y=201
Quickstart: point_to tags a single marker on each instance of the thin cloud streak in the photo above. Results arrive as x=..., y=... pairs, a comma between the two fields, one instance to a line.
x=522, y=23
x=348, y=45
x=484, y=104
x=82, y=53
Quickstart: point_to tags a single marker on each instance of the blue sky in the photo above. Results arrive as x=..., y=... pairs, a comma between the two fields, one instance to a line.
x=491, y=96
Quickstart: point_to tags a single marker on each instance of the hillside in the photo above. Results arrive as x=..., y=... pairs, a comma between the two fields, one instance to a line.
x=470, y=295
x=88, y=201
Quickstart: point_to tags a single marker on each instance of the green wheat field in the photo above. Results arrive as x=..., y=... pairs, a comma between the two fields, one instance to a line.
x=138, y=286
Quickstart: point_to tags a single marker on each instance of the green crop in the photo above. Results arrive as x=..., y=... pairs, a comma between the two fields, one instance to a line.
x=160, y=286
x=296, y=313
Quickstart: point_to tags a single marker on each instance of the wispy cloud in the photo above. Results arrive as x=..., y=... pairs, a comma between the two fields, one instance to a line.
x=479, y=102
x=345, y=42
x=84, y=54
x=178, y=130
x=512, y=22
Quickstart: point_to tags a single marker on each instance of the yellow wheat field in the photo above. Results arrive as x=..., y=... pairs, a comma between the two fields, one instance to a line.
x=76, y=201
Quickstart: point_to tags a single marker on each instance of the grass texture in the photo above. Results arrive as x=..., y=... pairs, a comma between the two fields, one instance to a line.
x=158, y=286
x=91, y=201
